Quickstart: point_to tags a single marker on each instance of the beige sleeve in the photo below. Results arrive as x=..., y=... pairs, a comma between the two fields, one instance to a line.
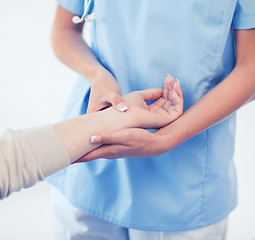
x=28, y=156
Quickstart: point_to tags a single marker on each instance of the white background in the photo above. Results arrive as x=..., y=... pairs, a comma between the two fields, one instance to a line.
x=34, y=88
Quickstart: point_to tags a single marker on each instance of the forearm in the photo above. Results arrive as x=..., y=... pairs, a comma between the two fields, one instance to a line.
x=75, y=133
x=29, y=155
x=70, y=47
x=227, y=97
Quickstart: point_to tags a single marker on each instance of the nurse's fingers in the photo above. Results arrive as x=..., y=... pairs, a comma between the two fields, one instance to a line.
x=105, y=151
x=119, y=137
x=114, y=146
x=118, y=102
x=151, y=94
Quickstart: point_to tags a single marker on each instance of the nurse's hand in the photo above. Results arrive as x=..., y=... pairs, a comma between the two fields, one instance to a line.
x=131, y=142
x=138, y=142
x=105, y=92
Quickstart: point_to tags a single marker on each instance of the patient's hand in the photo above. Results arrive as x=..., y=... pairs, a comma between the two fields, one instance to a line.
x=134, y=141
x=167, y=108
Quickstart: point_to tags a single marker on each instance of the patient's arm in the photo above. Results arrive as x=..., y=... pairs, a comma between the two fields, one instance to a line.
x=29, y=155
x=75, y=133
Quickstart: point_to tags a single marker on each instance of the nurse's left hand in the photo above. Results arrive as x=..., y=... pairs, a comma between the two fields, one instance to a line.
x=132, y=142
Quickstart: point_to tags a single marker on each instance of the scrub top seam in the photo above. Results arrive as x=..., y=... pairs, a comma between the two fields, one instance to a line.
x=202, y=207
x=204, y=179
x=244, y=22
x=217, y=51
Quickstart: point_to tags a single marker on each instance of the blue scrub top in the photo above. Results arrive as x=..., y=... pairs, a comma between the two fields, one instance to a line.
x=193, y=185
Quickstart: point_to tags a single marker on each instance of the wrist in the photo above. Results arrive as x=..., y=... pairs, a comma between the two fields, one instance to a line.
x=173, y=135
x=114, y=120
x=91, y=71
x=162, y=142
x=97, y=73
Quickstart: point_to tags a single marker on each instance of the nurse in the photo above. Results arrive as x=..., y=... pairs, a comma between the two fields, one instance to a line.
x=184, y=185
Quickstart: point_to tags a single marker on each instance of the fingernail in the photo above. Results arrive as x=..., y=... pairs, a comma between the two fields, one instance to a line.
x=177, y=80
x=122, y=107
x=96, y=139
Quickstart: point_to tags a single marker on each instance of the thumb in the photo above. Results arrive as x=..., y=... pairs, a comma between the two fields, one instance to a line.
x=118, y=103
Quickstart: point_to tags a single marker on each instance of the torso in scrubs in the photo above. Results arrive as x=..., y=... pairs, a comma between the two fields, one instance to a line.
x=193, y=185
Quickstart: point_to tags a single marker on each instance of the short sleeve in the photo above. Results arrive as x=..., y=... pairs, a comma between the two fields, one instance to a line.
x=244, y=16
x=74, y=6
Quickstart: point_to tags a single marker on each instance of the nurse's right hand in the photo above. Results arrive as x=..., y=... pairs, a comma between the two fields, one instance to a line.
x=105, y=92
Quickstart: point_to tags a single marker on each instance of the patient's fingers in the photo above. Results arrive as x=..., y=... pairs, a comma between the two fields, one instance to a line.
x=165, y=93
x=173, y=98
x=151, y=94
x=177, y=88
x=169, y=82
x=168, y=86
